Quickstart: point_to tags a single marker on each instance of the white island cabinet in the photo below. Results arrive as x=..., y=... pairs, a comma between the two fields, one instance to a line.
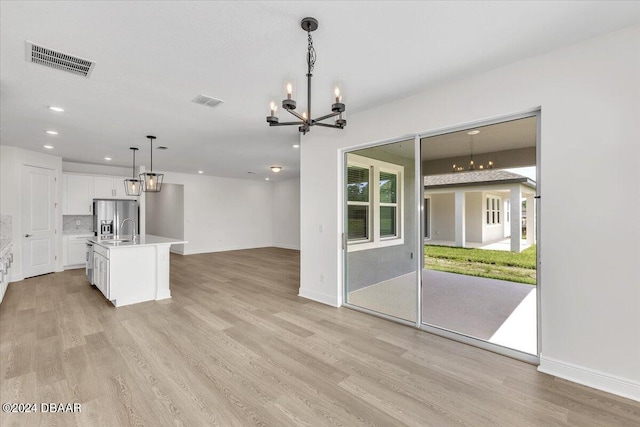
x=133, y=272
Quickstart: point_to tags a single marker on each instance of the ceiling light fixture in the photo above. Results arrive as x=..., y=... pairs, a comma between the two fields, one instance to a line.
x=276, y=169
x=472, y=165
x=58, y=109
x=133, y=186
x=305, y=121
x=151, y=182
x=266, y=179
x=48, y=147
x=296, y=145
x=52, y=132
x=200, y=172
x=107, y=158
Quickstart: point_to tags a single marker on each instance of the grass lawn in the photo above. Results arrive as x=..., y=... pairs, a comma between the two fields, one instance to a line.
x=501, y=265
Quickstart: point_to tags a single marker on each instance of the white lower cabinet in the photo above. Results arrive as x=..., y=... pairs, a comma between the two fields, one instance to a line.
x=101, y=271
x=74, y=254
x=6, y=259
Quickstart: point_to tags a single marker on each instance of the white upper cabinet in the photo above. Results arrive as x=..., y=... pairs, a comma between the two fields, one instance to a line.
x=79, y=195
x=78, y=192
x=103, y=187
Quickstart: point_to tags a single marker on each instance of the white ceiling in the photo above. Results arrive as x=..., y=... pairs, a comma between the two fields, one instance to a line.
x=153, y=58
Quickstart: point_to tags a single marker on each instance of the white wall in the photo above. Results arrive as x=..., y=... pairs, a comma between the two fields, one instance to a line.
x=11, y=161
x=164, y=213
x=223, y=214
x=286, y=213
x=589, y=94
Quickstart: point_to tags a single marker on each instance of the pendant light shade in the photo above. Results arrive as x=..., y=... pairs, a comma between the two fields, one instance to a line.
x=133, y=186
x=151, y=182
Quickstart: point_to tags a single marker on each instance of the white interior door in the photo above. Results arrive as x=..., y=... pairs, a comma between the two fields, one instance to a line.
x=38, y=221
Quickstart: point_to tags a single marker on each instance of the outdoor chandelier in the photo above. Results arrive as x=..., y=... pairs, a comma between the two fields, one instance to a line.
x=133, y=186
x=289, y=104
x=151, y=182
x=472, y=165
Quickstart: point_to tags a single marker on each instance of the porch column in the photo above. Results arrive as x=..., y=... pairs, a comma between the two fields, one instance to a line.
x=461, y=239
x=515, y=194
x=531, y=214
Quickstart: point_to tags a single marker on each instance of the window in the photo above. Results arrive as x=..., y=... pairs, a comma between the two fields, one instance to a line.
x=358, y=202
x=493, y=210
x=374, y=214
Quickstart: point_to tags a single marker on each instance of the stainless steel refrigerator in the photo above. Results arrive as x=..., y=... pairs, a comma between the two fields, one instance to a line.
x=108, y=215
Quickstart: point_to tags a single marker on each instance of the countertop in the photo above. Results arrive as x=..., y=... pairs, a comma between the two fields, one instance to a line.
x=142, y=240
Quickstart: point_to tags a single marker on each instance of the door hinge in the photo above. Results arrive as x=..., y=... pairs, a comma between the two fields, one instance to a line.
x=343, y=241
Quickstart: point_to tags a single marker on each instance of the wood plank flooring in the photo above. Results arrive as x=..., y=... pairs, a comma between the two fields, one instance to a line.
x=236, y=346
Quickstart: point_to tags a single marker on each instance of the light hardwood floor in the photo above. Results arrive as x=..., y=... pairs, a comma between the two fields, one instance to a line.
x=236, y=346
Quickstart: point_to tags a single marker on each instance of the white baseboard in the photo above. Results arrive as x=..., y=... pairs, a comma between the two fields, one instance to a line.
x=285, y=246
x=319, y=297
x=163, y=294
x=591, y=378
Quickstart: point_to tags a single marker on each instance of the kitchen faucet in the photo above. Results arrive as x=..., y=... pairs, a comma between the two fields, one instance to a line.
x=133, y=233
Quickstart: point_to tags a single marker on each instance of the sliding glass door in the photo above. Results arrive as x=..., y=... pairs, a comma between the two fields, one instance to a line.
x=380, y=230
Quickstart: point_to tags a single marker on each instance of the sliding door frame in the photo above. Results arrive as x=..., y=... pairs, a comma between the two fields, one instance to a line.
x=419, y=232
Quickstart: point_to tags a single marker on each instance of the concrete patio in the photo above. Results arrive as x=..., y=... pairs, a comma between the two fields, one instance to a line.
x=497, y=311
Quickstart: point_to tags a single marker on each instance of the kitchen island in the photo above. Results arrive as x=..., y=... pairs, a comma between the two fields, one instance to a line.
x=132, y=271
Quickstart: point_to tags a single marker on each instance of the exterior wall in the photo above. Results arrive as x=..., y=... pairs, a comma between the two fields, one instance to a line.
x=473, y=216
x=594, y=82
x=443, y=220
x=492, y=232
x=368, y=267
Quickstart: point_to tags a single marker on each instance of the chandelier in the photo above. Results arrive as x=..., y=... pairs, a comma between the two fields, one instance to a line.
x=151, y=181
x=289, y=104
x=133, y=186
x=472, y=165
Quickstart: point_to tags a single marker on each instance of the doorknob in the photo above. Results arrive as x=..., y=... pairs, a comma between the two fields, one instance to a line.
x=27, y=235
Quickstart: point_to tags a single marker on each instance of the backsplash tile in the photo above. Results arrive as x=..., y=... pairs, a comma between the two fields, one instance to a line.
x=69, y=224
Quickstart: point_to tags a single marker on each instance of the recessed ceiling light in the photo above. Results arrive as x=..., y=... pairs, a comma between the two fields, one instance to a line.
x=58, y=109
x=473, y=132
x=266, y=179
x=276, y=169
x=52, y=132
x=200, y=171
x=48, y=147
x=107, y=158
x=296, y=145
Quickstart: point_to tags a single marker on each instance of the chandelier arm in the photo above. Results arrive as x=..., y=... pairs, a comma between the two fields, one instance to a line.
x=285, y=124
x=327, y=125
x=297, y=115
x=319, y=119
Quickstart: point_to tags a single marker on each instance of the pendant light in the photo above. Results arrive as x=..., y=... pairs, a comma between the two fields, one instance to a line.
x=151, y=182
x=133, y=186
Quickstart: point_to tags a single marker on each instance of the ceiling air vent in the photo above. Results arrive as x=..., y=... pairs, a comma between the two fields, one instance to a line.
x=59, y=60
x=207, y=101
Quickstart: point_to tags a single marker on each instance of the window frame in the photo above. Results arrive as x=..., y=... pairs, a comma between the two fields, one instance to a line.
x=493, y=210
x=375, y=239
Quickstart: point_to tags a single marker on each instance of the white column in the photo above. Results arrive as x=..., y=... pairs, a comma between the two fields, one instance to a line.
x=515, y=194
x=460, y=234
x=531, y=214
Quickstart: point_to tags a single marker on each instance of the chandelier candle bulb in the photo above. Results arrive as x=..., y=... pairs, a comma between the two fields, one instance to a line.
x=289, y=90
x=337, y=93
